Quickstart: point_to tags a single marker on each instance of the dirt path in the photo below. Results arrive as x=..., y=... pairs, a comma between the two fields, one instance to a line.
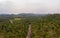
x=11, y=21
x=29, y=32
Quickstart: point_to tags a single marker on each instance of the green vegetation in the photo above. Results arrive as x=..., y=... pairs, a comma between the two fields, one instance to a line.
x=45, y=26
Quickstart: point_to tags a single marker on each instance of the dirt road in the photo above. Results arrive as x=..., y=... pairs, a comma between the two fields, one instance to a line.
x=29, y=32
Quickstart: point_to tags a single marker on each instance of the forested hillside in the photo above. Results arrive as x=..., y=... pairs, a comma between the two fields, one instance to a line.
x=42, y=26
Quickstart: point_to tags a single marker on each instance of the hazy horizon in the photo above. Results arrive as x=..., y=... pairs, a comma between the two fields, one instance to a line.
x=29, y=6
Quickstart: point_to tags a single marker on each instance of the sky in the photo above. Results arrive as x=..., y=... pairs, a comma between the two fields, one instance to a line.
x=29, y=6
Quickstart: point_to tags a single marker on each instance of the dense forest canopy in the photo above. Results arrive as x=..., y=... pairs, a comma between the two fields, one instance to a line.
x=42, y=26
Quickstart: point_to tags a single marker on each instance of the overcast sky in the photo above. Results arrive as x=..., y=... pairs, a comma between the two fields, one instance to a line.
x=29, y=6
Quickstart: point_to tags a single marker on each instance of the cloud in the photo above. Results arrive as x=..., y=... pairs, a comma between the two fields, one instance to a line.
x=30, y=6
